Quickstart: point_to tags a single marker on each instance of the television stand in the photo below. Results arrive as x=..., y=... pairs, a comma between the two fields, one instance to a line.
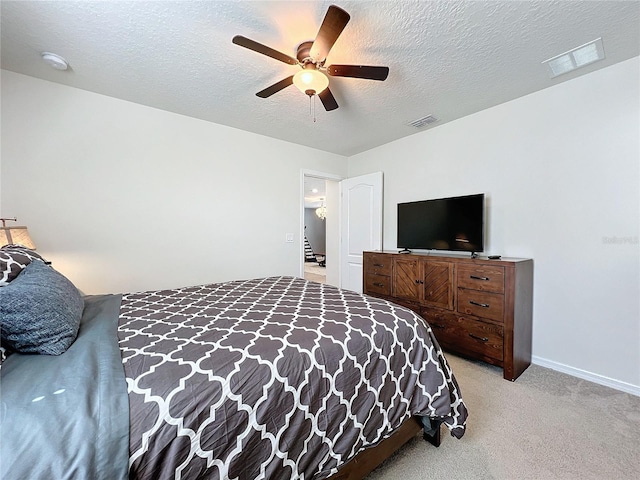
x=478, y=308
x=405, y=250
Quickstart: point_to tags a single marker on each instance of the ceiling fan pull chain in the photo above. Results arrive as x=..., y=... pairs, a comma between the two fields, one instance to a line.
x=314, y=108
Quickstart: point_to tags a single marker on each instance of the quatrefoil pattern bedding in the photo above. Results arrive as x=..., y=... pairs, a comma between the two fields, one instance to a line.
x=273, y=378
x=14, y=259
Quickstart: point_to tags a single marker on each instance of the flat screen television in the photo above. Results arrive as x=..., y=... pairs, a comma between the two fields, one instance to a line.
x=454, y=224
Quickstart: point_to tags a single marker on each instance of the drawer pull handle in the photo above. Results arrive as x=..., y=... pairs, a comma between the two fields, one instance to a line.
x=482, y=339
x=484, y=279
x=435, y=325
x=419, y=282
x=378, y=265
x=483, y=305
x=377, y=284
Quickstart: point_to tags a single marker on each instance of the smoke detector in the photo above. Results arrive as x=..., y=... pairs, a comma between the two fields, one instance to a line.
x=55, y=61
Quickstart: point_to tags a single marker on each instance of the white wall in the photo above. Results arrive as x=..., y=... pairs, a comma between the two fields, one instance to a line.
x=315, y=230
x=560, y=169
x=123, y=197
x=108, y=188
x=333, y=231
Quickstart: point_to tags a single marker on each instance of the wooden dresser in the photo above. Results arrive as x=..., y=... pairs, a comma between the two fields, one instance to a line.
x=479, y=308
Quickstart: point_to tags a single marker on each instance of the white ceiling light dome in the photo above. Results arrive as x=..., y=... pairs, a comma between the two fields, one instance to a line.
x=310, y=81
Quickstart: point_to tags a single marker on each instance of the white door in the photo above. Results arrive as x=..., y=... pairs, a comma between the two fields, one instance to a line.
x=360, y=225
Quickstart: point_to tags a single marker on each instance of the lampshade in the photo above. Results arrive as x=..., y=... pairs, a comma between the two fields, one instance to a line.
x=310, y=81
x=16, y=235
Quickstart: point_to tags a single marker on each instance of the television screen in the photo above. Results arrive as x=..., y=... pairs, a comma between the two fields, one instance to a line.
x=455, y=224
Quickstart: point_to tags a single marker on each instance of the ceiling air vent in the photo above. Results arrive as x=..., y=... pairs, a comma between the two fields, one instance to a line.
x=578, y=57
x=421, y=122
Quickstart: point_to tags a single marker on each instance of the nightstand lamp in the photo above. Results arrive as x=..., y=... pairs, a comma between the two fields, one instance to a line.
x=15, y=235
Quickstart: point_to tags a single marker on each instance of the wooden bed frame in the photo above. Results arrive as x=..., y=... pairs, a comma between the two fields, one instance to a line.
x=367, y=460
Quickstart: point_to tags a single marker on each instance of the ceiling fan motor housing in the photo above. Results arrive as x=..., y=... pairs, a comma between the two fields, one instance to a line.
x=303, y=53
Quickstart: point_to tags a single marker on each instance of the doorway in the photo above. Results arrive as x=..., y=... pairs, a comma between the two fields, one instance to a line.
x=320, y=227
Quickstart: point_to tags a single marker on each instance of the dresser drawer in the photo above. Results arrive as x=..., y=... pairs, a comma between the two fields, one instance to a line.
x=415, y=306
x=380, y=284
x=379, y=264
x=481, y=304
x=485, y=278
x=466, y=336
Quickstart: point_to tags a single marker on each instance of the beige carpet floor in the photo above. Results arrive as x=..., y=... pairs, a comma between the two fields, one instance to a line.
x=314, y=272
x=545, y=425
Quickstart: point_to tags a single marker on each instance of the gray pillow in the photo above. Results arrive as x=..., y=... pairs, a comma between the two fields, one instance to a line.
x=40, y=311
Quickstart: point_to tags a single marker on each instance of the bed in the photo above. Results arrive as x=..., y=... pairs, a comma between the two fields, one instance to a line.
x=264, y=378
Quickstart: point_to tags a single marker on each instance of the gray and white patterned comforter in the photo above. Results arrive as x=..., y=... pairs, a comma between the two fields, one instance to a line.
x=273, y=378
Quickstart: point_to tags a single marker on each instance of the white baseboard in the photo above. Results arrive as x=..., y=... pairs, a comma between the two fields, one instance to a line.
x=585, y=375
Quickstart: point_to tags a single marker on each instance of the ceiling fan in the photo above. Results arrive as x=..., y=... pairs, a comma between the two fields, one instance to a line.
x=311, y=56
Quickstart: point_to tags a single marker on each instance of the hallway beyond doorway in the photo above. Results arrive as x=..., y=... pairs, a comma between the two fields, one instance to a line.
x=314, y=272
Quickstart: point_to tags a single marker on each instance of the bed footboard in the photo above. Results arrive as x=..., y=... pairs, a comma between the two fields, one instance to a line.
x=369, y=459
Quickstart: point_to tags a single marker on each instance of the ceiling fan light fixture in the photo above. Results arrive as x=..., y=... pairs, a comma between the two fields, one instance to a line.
x=311, y=56
x=310, y=81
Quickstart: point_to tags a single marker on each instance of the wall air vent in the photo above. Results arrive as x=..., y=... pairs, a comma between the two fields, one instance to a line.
x=421, y=122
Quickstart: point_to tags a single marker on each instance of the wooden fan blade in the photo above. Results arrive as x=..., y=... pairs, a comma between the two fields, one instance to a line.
x=327, y=99
x=358, y=71
x=263, y=49
x=334, y=22
x=275, y=88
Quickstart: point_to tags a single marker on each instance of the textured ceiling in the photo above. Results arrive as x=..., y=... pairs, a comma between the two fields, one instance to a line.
x=315, y=191
x=446, y=58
